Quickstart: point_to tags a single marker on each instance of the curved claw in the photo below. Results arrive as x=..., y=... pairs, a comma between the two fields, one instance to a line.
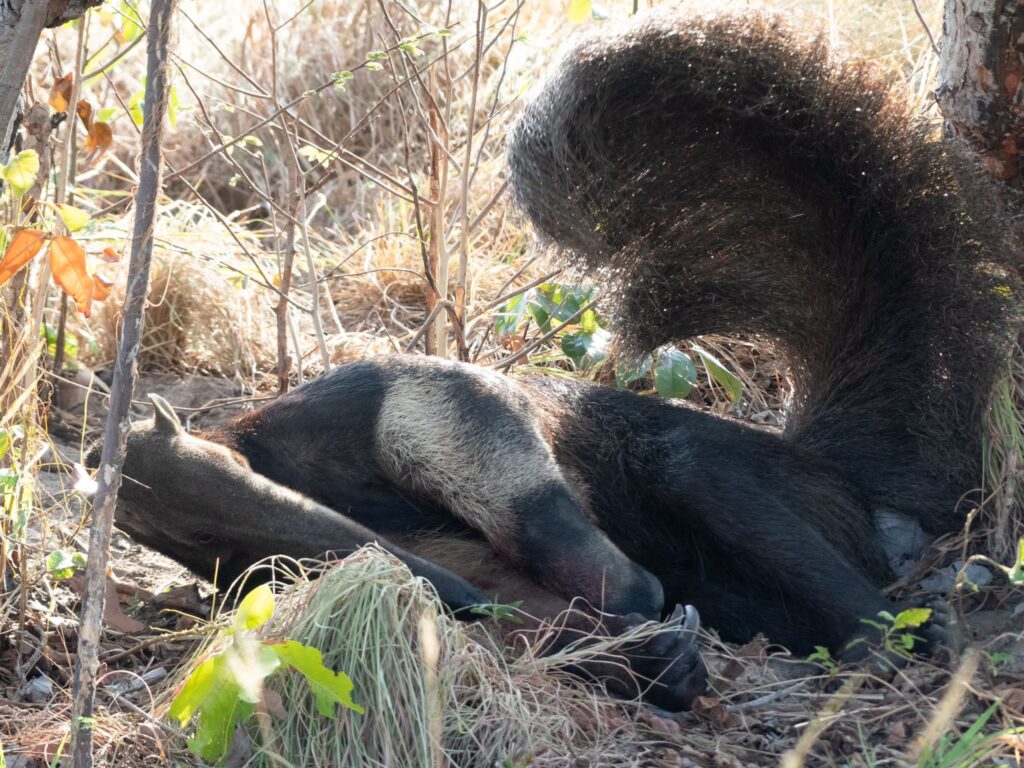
x=692, y=623
x=677, y=615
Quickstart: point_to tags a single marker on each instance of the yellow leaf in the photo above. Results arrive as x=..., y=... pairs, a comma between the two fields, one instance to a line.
x=60, y=93
x=20, y=172
x=255, y=609
x=74, y=218
x=23, y=246
x=67, y=262
x=580, y=10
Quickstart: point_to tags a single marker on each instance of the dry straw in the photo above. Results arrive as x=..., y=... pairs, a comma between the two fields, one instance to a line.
x=436, y=691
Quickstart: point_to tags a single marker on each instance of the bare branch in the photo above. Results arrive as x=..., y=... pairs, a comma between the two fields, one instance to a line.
x=116, y=429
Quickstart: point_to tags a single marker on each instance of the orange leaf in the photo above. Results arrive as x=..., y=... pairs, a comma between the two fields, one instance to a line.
x=110, y=255
x=100, y=137
x=67, y=262
x=84, y=110
x=60, y=93
x=101, y=288
x=23, y=246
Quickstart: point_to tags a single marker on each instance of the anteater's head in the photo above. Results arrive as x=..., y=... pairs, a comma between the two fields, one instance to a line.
x=183, y=496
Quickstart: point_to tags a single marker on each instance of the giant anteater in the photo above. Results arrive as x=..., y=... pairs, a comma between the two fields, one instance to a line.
x=725, y=176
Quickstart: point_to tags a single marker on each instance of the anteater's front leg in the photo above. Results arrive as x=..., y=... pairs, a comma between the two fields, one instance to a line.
x=664, y=668
x=472, y=441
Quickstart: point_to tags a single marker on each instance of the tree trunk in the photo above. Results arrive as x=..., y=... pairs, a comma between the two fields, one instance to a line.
x=980, y=84
x=981, y=95
x=21, y=23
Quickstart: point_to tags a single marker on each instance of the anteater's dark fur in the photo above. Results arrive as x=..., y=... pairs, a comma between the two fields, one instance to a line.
x=733, y=179
x=728, y=178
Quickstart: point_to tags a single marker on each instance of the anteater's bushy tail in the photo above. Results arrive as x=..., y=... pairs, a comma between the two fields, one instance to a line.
x=728, y=176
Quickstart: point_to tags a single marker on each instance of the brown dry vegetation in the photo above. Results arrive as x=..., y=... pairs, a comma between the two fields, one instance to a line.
x=221, y=238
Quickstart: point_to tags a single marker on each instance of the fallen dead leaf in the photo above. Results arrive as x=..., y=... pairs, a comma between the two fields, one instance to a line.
x=1013, y=699
x=712, y=711
x=113, y=616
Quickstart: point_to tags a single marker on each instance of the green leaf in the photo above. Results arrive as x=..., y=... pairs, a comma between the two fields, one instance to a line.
x=675, y=374
x=8, y=480
x=255, y=609
x=222, y=710
x=540, y=316
x=562, y=301
x=107, y=114
x=74, y=218
x=20, y=172
x=376, y=55
x=726, y=379
x=821, y=653
x=374, y=66
x=510, y=315
x=328, y=687
x=630, y=371
x=910, y=618
x=499, y=611
x=131, y=23
x=5, y=442
x=250, y=662
x=580, y=10
x=588, y=321
x=585, y=349
x=62, y=564
x=136, y=105
x=198, y=686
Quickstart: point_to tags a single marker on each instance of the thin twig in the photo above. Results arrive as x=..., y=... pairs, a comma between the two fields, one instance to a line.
x=115, y=433
x=927, y=30
x=506, y=363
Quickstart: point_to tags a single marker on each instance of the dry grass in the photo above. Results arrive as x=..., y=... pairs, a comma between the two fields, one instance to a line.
x=206, y=312
x=441, y=692
x=436, y=691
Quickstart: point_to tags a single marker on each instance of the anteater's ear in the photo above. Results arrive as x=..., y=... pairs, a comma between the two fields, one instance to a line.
x=165, y=418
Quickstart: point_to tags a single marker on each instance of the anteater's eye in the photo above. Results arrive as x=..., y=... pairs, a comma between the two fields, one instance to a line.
x=205, y=538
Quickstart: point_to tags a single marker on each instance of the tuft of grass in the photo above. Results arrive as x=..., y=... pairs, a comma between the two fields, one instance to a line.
x=436, y=691
x=1001, y=523
x=206, y=312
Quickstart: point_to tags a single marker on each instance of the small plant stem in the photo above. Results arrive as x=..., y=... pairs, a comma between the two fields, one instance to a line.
x=460, y=279
x=125, y=368
x=67, y=177
x=283, y=360
x=297, y=198
x=437, y=338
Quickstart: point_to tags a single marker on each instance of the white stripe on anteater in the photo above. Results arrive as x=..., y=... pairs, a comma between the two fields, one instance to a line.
x=468, y=438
